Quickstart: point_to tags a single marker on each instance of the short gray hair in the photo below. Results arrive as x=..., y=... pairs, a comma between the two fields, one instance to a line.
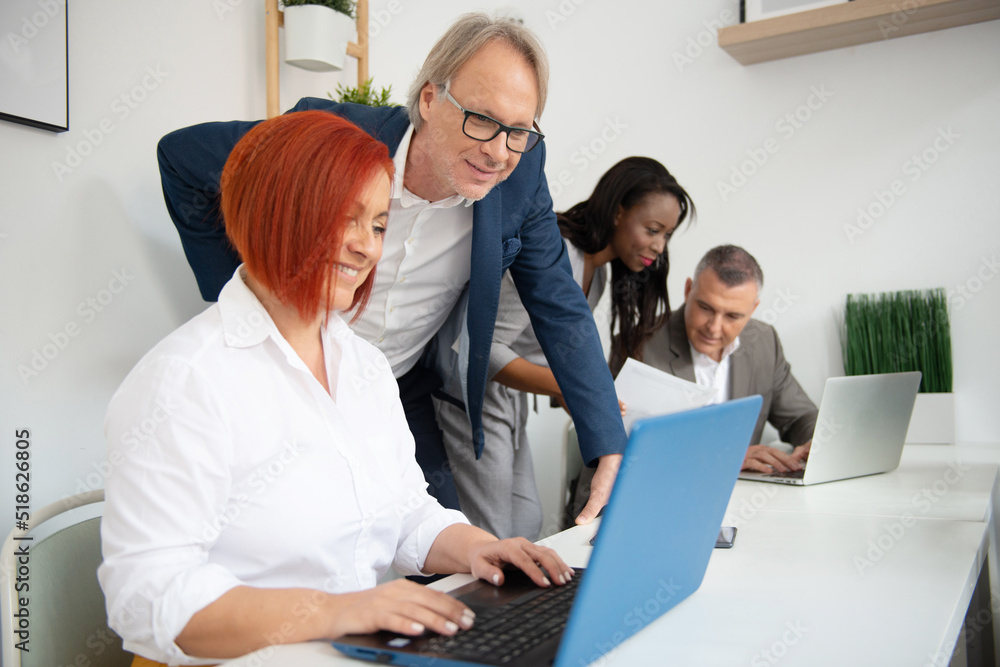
x=733, y=265
x=464, y=39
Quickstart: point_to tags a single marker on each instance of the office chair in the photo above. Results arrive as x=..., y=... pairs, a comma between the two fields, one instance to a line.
x=67, y=621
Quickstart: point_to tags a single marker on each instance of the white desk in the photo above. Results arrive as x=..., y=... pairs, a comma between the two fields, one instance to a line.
x=956, y=482
x=932, y=481
x=791, y=585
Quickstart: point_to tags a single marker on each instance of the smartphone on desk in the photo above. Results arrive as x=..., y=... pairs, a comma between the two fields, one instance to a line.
x=727, y=535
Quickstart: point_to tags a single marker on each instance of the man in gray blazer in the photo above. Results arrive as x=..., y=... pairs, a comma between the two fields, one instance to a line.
x=713, y=341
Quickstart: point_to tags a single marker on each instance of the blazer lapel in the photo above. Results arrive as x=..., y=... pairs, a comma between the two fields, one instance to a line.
x=680, y=364
x=484, y=299
x=740, y=372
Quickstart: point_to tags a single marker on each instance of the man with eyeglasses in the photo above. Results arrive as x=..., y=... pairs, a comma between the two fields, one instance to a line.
x=470, y=201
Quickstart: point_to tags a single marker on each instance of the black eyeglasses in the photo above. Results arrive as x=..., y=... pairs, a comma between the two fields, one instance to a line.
x=483, y=128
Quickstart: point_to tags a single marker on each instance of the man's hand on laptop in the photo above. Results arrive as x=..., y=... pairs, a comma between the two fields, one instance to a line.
x=765, y=459
x=801, y=453
x=600, y=487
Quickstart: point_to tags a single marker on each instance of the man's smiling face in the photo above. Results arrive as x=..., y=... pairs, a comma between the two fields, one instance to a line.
x=497, y=82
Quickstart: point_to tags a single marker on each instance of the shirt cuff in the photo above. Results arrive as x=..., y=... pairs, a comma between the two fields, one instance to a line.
x=500, y=356
x=412, y=552
x=150, y=623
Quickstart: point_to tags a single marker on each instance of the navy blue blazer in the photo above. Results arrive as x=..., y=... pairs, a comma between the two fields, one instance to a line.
x=514, y=228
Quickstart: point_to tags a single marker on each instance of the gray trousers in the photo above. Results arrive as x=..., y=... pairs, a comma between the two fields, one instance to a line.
x=497, y=492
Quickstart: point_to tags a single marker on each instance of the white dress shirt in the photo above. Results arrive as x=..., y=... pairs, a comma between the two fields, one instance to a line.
x=714, y=374
x=425, y=265
x=233, y=466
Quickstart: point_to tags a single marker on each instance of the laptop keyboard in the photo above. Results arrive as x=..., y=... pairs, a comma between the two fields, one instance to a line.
x=503, y=634
x=791, y=474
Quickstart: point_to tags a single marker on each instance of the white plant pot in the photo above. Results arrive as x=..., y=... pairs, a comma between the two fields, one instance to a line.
x=933, y=420
x=316, y=37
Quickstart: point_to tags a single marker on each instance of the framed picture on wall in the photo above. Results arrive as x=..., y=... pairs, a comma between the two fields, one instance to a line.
x=34, y=63
x=755, y=10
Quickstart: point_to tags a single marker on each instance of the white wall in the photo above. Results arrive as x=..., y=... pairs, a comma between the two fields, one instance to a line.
x=141, y=69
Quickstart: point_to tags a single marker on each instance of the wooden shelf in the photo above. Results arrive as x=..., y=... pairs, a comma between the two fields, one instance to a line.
x=848, y=24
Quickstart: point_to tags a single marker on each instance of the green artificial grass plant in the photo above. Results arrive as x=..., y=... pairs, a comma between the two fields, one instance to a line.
x=900, y=331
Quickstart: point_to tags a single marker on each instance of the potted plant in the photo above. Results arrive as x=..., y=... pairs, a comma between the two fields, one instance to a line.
x=317, y=33
x=364, y=94
x=906, y=331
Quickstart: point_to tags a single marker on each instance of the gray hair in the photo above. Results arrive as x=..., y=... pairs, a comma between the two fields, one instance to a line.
x=733, y=265
x=464, y=39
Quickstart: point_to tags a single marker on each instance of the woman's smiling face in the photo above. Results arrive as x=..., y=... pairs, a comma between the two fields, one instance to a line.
x=361, y=246
x=643, y=231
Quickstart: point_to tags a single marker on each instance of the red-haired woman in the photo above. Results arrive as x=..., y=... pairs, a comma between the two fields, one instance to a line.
x=264, y=473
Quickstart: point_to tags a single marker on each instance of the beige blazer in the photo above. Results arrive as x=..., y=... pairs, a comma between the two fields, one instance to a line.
x=757, y=367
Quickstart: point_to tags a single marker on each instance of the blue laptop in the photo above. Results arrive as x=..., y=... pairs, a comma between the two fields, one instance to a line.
x=657, y=535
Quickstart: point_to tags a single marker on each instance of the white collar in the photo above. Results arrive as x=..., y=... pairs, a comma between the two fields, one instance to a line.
x=245, y=321
x=727, y=351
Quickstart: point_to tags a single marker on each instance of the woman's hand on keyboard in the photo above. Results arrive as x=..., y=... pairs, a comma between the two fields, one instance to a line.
x=404, y=607
x=487, y=562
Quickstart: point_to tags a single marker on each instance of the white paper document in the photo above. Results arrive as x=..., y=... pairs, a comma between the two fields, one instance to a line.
x=650, y=392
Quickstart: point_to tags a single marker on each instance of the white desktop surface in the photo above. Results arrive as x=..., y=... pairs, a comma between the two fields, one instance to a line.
x=954, y=482
x=798, y=572
x=932, y=481
x=790, y=577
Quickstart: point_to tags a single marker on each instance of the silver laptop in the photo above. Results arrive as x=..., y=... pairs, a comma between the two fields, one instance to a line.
x=860, y=429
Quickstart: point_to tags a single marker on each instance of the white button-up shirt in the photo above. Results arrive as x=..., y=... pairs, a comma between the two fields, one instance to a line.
x=714, y=374
x=233, y=466
x=425, y=265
